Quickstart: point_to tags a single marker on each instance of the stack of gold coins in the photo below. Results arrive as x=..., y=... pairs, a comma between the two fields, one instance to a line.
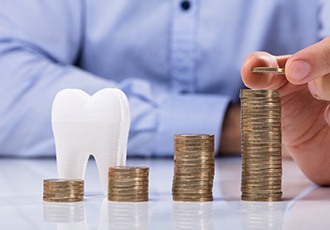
x=261, y=145
x=128, y=184
x=193, y=167
x=63, y=190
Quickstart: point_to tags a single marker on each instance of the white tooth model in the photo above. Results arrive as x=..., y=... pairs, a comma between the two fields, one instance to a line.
x=85, y=125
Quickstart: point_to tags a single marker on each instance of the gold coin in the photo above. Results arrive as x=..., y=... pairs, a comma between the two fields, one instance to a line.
x=128, y=169
x=197, y=189
x=183, y=197
x=189, y=176
x=193, y=195
x=128, y=174
x=132, y=193
x=127, y=199
x=128, y=195
x=193, y=199
x=262, y=170
x=193, y=136
x=127, y=188
x=262, y=178
x=263, y=194
x=263, y=199
x=194, y=159
x=206, y=184
x=257, y=191
x=63, y=181
x=194, y=167
x=262, y=186
x=275, y=70
x=75, y=199
x=262, y=93
x=125, y=184
x=185, y=185
x=127, y=180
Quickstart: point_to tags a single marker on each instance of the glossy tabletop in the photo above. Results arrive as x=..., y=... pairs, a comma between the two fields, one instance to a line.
x=304, y=205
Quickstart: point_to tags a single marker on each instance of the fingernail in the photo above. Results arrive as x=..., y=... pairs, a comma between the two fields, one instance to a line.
x=313, y=90
x=299, y=69
x=327, y=114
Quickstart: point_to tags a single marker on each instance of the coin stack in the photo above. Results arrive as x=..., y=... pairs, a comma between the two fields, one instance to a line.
x=128, y=184
x=193, y=167
x=261, y=145
x=63, y=190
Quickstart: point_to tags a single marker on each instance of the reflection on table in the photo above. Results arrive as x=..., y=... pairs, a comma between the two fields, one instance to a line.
x=305, y=205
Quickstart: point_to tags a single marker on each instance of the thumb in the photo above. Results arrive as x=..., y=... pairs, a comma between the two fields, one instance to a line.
x=310, y=63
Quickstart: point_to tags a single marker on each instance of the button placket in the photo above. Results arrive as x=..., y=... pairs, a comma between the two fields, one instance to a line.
x=183, y=50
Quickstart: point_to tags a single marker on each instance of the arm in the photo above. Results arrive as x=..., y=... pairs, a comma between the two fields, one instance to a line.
x=231, y=131
x=39, y=44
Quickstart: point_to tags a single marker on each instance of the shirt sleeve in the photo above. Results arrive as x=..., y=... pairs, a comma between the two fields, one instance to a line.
x=39, y=44
x=190, y=114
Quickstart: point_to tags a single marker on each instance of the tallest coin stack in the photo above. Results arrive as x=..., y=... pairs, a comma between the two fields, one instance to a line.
x=261, y=145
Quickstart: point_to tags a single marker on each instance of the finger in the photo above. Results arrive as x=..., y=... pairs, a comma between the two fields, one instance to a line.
x=320, y=88
x=281, y=60
x=262, y=81
x=310, y=63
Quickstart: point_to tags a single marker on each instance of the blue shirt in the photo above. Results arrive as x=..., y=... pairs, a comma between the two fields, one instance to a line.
x=179, y=63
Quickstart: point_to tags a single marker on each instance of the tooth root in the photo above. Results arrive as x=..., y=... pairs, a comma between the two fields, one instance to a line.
x=85, y=125
x=103, y=173
x=71, y=167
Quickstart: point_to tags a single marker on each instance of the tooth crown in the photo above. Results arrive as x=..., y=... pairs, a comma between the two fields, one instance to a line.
x=85, y=125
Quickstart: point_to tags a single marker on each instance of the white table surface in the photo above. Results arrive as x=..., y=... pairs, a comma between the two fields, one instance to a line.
x=305, y=205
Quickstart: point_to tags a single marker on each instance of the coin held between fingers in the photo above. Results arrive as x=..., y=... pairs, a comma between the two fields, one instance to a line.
x=274, y=70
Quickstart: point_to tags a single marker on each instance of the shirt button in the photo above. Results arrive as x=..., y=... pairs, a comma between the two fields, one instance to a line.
x=185, y=5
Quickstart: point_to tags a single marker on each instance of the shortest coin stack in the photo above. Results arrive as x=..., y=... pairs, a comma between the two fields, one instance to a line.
x=128, y=184
x=63, y=190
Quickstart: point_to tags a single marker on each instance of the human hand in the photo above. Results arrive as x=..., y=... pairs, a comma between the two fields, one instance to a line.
x=305, y=112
